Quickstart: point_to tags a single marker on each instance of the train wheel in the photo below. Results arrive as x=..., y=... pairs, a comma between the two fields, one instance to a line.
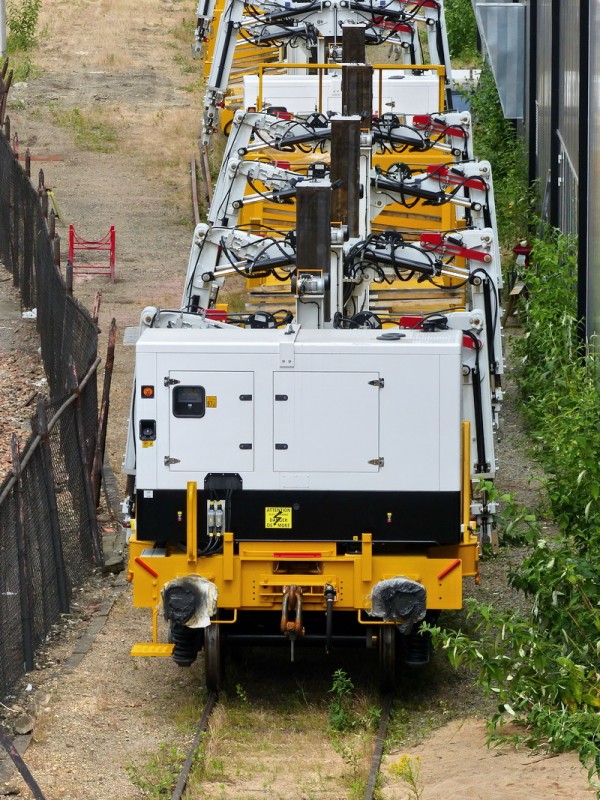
x=387, y=658
x=213, y=658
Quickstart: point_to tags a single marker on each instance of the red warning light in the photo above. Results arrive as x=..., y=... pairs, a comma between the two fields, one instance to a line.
x=147, y=392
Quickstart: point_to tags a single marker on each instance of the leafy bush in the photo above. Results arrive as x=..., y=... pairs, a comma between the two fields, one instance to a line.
x=543, y=667
x=22, y=18
x=496, y=141
x=462, y=31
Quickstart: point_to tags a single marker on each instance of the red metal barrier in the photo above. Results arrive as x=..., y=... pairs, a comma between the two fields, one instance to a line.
x=106, y=245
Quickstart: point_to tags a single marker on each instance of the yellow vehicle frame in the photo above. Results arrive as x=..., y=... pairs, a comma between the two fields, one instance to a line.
x=254, y=577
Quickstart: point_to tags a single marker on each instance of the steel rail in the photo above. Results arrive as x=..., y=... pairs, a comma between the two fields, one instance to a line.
x=200, y=730
x=386, y=708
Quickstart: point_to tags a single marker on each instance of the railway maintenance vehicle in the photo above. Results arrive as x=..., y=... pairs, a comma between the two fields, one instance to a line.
x=307, y=471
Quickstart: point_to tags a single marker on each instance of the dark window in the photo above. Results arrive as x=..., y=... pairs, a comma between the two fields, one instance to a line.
x=189, y=401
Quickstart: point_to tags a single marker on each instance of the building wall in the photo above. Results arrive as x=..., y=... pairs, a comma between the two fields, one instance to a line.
x=591, y=201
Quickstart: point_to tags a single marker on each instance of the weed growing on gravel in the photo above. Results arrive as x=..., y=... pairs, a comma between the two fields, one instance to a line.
x=90, y=128
x=157, y=778
x=340, y=718
x=408, y=771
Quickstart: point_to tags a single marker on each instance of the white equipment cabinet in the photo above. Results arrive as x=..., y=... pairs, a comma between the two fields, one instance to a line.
x=310, y=409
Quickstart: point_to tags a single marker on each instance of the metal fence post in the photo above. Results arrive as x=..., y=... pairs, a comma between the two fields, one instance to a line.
x=59, y=561
x=69, y=277
x=52, y=224
x=92, y=520
x=22, y=557
x=103, y=416
x=56, y=250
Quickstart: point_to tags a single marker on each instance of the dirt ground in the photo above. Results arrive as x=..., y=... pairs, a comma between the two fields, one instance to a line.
x=130, y=65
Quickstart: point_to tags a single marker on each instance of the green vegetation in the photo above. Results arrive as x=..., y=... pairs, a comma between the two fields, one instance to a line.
x=543, y=667
x=90, y=128
x=462, y=32
x=408, y=771
x=158, y=777
x=497, y=142
x=22, y=19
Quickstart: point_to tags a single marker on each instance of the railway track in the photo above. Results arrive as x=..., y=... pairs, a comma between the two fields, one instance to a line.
x=202, y=726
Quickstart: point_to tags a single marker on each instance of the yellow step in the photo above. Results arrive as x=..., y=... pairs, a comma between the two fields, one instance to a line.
x=150, y=649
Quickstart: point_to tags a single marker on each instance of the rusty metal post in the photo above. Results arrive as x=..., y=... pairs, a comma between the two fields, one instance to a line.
x=59, y=560
x=313, y=214
x=52, y=224
x=41, y=183
x=28, y=162
x=15, y=146
x=96, y=306
x=357, y=91
x=69, y=277
x=21, y=766
x=27, y=287
x=45, y=203
x=353, y=43
x=15, y=229
x=22, y=558
x=7, y=128
x=92, y=520
x=103, y=417
x=345, y=171
x=56, y=250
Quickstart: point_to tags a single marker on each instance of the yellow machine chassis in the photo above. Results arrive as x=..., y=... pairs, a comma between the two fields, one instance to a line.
x=252, y=576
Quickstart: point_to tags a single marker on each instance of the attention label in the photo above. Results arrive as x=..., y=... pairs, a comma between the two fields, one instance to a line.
x=277, y=517
x=211, y=400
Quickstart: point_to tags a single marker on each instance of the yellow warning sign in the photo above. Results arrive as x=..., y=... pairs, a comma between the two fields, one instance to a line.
x=147, y=443
x=211, y=400
x=277, y=517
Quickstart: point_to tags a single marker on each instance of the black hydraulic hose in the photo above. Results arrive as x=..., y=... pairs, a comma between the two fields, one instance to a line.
x=478, y=409
x=489, y=325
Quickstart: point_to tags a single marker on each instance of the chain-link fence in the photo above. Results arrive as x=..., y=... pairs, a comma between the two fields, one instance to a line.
x=49, y=540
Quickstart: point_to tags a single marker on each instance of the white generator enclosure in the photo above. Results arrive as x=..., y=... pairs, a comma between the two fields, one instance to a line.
x=394, y=91
x=341, y=432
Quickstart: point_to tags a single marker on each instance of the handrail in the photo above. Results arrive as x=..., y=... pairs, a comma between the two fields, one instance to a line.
x=263, y=68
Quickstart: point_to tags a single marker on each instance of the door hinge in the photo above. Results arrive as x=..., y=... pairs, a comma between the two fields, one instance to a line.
x=377, y=462
x=379, y=382
x=169, y=461
x=171, y=381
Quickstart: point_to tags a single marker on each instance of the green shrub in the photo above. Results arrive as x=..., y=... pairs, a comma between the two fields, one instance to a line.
x=462, y=31
x=496, y=141
x=543, y=666
x=22, y=18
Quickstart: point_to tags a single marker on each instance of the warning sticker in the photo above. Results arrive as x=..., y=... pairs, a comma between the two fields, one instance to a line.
x=277, y=517
x=211, y=400
x=147, y=443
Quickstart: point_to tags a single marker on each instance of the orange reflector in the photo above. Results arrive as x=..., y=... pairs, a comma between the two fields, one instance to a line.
x=145, y=566
x=449, y=569
x=148, y=391
x=296, y=555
